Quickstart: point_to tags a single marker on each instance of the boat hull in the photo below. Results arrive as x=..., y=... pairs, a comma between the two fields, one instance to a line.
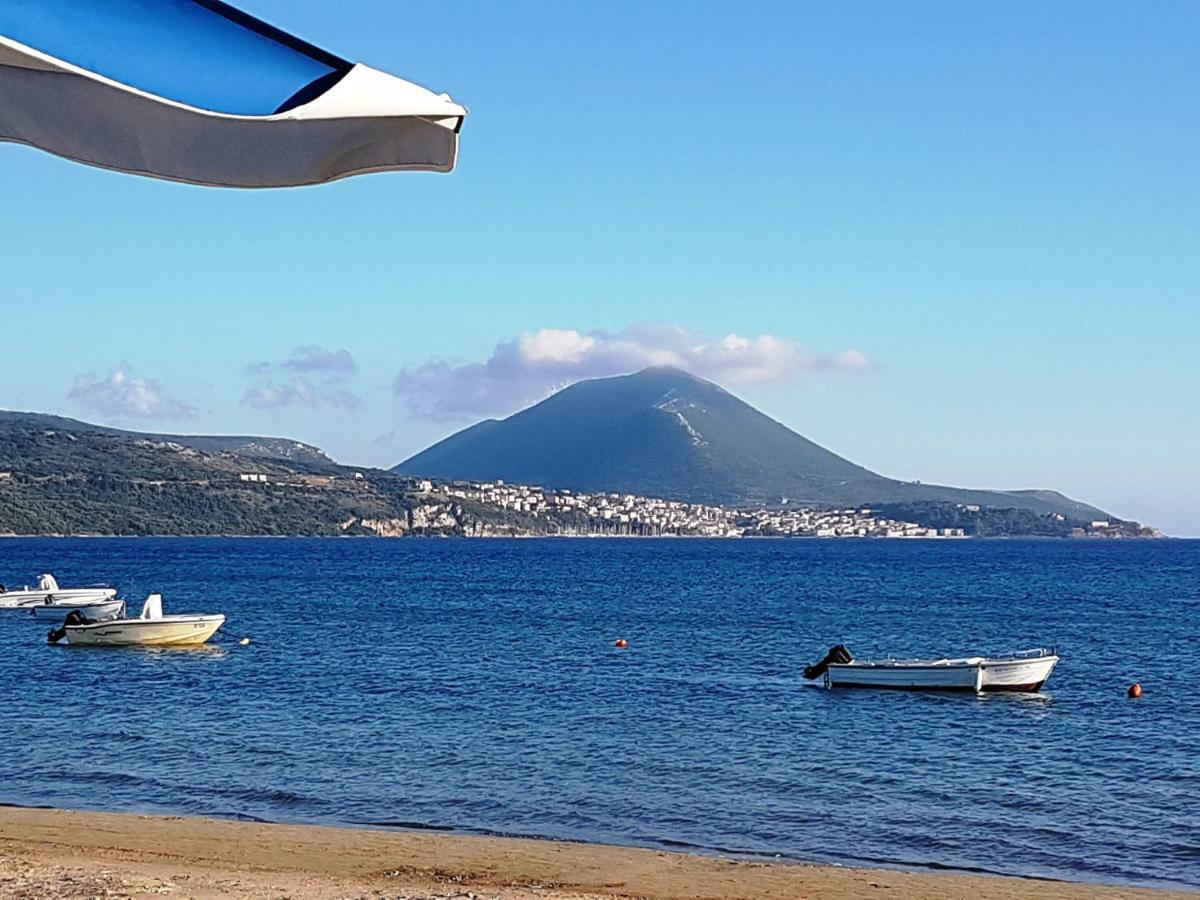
x=169, y=631
x=976, y=675
x=1018, y=674
x=107, y=609
x=26, y=599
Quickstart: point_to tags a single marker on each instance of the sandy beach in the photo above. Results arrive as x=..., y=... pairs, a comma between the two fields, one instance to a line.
x=58, y=853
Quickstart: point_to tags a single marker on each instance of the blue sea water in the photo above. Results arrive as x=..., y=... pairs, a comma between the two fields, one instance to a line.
x=474, y=686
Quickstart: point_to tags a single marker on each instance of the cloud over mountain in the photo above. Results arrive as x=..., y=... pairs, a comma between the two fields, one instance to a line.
x=312, y=376
x=526, y=369
x=121, y=396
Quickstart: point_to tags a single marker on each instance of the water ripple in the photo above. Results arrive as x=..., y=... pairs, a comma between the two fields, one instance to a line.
x=473, y=686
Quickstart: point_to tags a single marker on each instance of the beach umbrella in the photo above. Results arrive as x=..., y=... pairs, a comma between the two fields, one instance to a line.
x=197, y=91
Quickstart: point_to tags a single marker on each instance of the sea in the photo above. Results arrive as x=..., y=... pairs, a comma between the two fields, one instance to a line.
x=474, y=686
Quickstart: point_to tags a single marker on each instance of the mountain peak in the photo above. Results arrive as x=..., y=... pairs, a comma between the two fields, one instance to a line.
x=665, y=371
x=663, y=432
x=643, y=388
x=672, y=376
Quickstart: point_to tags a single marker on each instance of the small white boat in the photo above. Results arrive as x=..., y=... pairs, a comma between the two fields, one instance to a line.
x=150, y=629
x=96, y=610
x=48, y=589
x=1026, y=670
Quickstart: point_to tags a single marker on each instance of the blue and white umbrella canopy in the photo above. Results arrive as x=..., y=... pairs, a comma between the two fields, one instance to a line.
x=197, y=91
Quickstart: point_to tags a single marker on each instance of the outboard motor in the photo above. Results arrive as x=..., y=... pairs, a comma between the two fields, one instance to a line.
x=74, y=617
x=837, y=654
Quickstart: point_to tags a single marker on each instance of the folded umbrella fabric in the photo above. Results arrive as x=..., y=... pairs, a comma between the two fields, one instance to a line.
x=200, y=92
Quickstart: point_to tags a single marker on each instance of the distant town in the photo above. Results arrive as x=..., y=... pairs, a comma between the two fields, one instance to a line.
x=496, y=509
x=447, y=508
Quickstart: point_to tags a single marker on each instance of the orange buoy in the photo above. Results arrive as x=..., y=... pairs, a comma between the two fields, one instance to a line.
x=1135, y=690
x=621, y=642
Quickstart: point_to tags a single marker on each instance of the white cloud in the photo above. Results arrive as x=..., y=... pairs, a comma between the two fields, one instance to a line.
x=551, y=345
x=525, y=369
x=299, y=393
x=121, y=396
x=852, y=361
x=321, y=382
x=318, y=359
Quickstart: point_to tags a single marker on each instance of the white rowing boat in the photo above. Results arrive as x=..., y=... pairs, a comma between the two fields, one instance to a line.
x=150, y=629
x=48, y=589
x=96, y=610
x=1026, y=670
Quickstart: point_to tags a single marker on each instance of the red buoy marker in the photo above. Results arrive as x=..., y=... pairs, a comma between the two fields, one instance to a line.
x=1135, y=690
x=622, y=643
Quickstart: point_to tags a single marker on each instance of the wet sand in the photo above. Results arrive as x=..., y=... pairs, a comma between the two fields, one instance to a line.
x=58, y=853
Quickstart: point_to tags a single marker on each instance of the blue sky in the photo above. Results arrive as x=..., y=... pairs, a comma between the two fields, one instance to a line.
x=994, y=207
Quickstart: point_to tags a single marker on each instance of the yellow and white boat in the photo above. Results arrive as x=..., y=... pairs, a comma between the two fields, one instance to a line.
x=150, y=629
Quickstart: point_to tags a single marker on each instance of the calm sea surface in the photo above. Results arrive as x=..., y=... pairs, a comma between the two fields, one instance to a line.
x=474, y=686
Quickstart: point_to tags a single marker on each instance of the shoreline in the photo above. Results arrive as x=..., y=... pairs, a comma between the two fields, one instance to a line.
x=63, y=853
x=621, y=537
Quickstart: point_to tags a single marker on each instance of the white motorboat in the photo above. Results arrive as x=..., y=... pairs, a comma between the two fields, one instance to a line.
x=96, y=610
x=150, y=629
x=1026, y=670
x=48, y=589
